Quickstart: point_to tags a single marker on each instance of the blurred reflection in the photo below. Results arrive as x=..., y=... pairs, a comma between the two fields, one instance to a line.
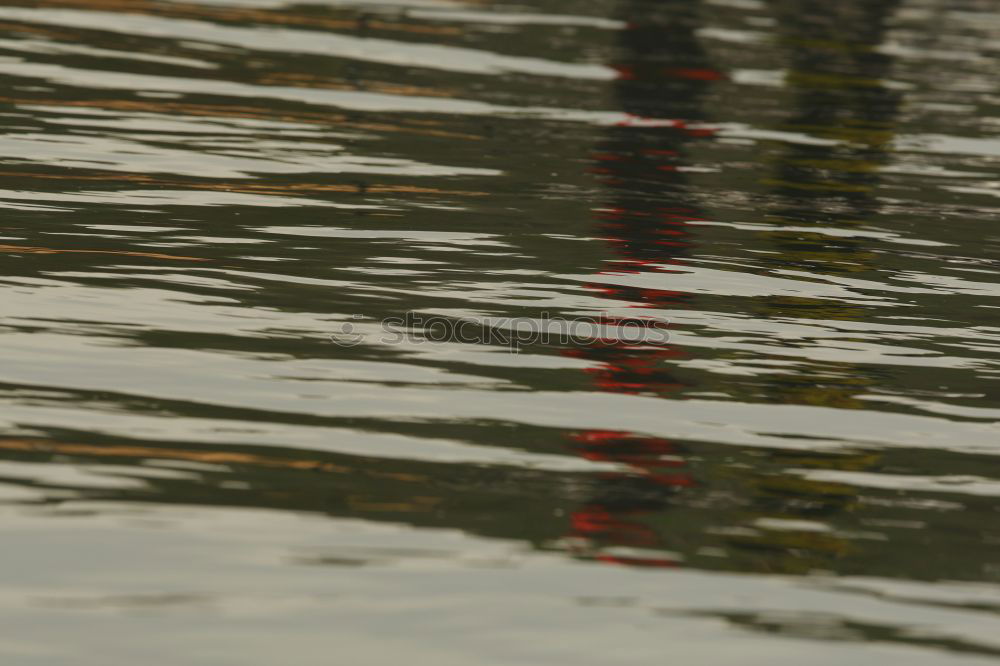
x=837, y=82
x=663, y=74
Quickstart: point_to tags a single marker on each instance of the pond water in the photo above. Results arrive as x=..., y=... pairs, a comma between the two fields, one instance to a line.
x=581, y=333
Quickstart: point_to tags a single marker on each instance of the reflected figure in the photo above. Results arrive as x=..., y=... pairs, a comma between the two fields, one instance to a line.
x=663, y=74
x=836, y=78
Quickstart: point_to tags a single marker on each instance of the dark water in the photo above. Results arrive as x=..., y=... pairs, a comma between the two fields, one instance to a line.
x=202, y=198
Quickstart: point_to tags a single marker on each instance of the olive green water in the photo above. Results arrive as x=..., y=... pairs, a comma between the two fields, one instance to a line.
x=213, y=451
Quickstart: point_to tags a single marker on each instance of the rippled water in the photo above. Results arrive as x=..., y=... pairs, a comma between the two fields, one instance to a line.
x=202, y=198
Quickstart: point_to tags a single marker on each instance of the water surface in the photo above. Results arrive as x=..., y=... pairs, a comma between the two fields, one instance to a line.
x=211, y=452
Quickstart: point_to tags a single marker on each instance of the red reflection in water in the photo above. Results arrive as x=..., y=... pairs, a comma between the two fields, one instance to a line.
x=647, y=224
